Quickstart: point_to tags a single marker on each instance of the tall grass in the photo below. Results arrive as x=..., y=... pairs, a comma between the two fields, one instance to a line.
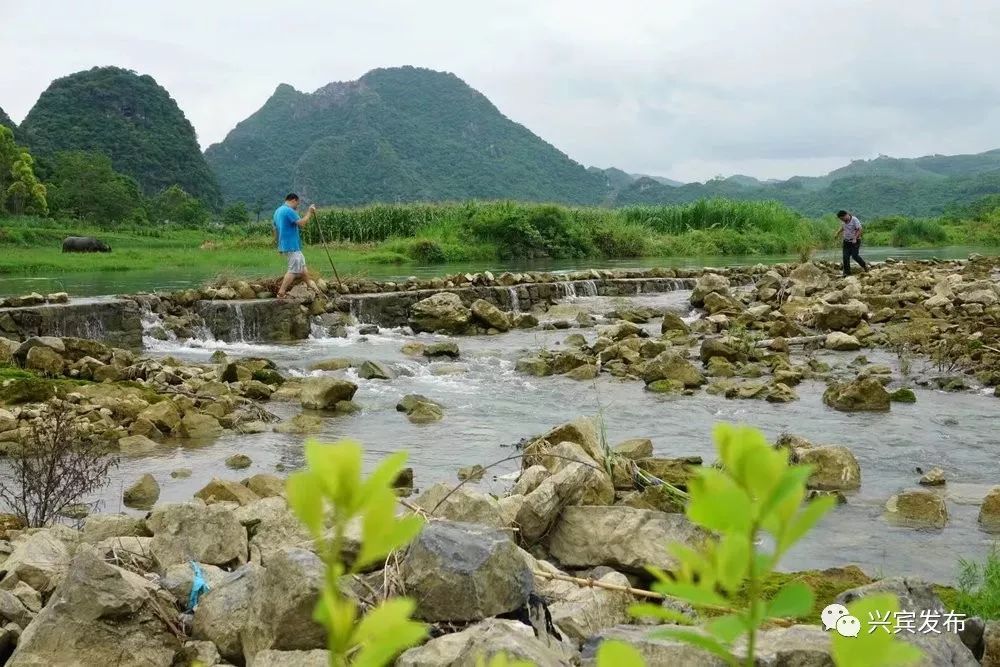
x=979, y=586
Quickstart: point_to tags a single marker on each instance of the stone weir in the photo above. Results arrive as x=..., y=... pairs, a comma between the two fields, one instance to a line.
x=392, y=309
x=117, y=322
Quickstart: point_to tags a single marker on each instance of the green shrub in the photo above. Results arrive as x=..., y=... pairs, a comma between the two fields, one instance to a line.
x=918, y=232
x=426, y=251
x=979, y=587
x=620, y=239
x=384, y=257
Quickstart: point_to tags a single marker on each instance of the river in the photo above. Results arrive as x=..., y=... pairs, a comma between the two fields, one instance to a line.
x=80, y=284
x=489, y=407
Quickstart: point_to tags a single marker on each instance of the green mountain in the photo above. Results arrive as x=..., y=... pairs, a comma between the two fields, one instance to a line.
x=399, y=134
x=924, y=186
x=6, y=121
x=128, y=117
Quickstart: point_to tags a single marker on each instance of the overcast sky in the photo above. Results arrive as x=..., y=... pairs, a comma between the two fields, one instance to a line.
x=680, y=88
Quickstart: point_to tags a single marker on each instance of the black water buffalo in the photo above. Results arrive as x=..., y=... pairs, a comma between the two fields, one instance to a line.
x=84, y=244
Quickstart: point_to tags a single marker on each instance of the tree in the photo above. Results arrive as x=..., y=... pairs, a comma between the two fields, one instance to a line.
x=84, y=185
x=236, y=214
x=20, y=190
x=176, y=205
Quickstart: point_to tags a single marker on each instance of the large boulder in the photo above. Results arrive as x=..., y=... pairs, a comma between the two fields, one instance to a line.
x=272, y=527
x=582, y=431
x=478, y=643
x=45, y=361
x=839, y=316
x=223, y=616
x=323, y=393
x=100, y=615
x=178, y=579
x=919, y=508
x=461, y=504
x=142, y=493
x=40, y=560
x=375, y=370
x=194, y=531
x=97, y=527
x=989, y=511
x=226, y=490
x=808, y=277
x=489, y=315
x=586, y=611
x=727, y=348
x=709, y=283
x=281, y=616
x=673, y=322
x=200, y=426
x=861, y=395
x=464, y=572
x=164, y=415
x=841, y=342
x=671, y=366
x=834, y=467
x=619, y=537
x=440, y=312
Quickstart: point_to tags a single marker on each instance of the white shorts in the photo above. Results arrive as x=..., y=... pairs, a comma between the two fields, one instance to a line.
x=296, y=262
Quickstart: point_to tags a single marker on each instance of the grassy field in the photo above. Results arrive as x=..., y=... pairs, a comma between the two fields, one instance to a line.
x=424, y=234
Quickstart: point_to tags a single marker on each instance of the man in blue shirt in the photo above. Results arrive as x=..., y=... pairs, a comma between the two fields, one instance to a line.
x=287, y=224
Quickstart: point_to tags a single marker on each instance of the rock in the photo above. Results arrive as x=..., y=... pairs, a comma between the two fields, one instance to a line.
x=443, y=311
x=665, y=387
x=300, y=424
x=463, y=505
x=181, y=473
x=725, y=348
x=410, y=401
x=413, y=349
x=903, y=395
x=51, y=342
x=863, y=395
x=582, y=431
x=478, y=643
x=224, y=613
x=101, y=615
x=490, y=315
x=809, y=276
x=671, y=366
x=991, y=644
x=373, y=370
x=164, y=415
x=919, y=508
x=619, y=537
x=178, y=578
x=45, y=361
x=989, y=511
x=200, y=426
x=464, y=572
x=676, y=471
x=137, y=445
x=143, y=493
x=587, y=611
x=933, y=477
x=335, y=364
x=226, y=491
x=837, y=340
x=266, y=486
x=273, y=527
x=194, y=531
x=529, y=480
x=834, y=468
x=778, y=392
x=716, y=304
x=12, y=610
x=314, y=658
x=635, y=448
x=673, y=322
x=583, y=373
x=839, y=317
x=196, y=652
x=425, y=413
x=580, y=479
x=323, y=393
x=98, y=527
x=447, y=349
x=706, y=284
x=473, y=473
x=653, y=498
x=40, y=561
x=281, y=616
x=533, y=366
x=238, y=462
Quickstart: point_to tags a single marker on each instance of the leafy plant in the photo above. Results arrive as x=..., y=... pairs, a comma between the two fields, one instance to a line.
x=979, y=586
x=755, y=494
x=330, y=496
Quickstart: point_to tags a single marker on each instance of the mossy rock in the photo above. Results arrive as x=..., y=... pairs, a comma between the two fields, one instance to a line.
x=826, y=585
x=903, y=395
x=27, y=390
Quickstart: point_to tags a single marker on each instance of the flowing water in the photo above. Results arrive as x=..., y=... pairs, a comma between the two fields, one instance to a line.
x=489, y=407
x=181, y=277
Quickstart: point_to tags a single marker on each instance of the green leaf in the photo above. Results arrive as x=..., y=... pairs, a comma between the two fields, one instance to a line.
x=305, y=498
x=726, y=628
x=717, y=503
x=805, y=521
x=873, y=647
x=692, y=593
x=382, y=536
x=338, y=467
x=386, y=631
x=384, y=475
x=613, y=653
x=793, y=600
x=791, y=484
x=697, y=639
x=648, y=610
x=732, y=554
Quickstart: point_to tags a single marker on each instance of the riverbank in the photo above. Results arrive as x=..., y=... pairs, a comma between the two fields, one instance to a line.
x=468, y=368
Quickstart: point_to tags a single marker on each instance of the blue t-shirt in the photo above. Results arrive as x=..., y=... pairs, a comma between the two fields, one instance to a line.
x=286, y=222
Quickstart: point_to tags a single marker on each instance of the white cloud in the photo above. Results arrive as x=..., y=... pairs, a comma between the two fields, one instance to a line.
x=684, y=88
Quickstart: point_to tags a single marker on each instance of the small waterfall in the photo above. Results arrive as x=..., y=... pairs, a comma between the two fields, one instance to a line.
x=589, y=288
x=515, y=302
x=153, y=331
x=568, y=289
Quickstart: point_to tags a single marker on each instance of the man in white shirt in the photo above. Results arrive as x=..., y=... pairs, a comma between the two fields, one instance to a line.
x=850, y=230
